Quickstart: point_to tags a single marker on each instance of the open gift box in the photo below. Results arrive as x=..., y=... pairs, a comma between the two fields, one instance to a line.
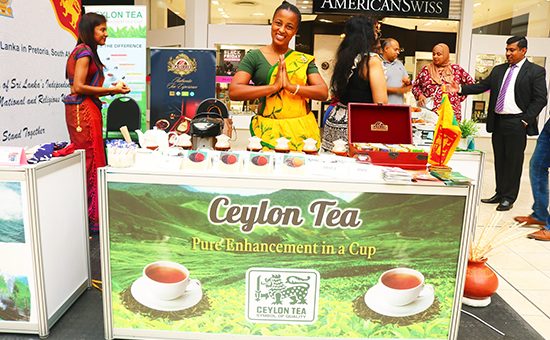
x=386, y=124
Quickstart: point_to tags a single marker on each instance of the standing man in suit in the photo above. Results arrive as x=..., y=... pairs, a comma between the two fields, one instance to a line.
x=518, y=94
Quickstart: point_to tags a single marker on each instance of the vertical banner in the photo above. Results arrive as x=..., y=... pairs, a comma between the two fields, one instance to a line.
x=36, y=37
x=124, y=53
x=180, y=80
x=282, y=262
x=16, y=290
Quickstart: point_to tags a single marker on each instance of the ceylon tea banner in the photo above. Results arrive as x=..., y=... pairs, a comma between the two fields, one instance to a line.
x=267, y=262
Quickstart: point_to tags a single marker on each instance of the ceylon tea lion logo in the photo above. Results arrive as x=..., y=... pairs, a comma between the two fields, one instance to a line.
x=279, y=295
x=5, y=8
x=182, y=65
x=68, y=14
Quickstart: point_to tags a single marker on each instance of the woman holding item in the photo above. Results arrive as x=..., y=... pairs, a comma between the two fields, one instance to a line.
x=83, y=107
x=433, y=77
x=358, y=77
x=284, y=80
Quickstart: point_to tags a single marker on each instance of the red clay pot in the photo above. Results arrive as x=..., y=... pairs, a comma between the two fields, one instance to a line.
x=481, y=281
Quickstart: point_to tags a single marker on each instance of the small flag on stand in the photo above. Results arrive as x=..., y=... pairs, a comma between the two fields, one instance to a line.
x=447, y=134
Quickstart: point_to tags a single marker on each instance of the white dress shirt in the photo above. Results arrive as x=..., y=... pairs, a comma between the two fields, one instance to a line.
x=510, y=106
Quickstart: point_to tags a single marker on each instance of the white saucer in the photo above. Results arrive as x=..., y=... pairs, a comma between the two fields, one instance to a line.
x=375, y=301
x=191, y=297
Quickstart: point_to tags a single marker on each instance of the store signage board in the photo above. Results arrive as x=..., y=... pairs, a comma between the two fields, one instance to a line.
x=282, y=262
x=403, y=8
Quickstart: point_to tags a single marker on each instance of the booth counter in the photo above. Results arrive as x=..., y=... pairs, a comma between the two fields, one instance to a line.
x=236, y=256
x=44, y=257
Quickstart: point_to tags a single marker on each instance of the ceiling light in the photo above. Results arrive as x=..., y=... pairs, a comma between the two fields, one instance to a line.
x=477, y=4
x=428, y=23
x=220, y=9
x=305, y=2
x=245, y=3
x=325, y=20
x=303, y=7
x=215, y=2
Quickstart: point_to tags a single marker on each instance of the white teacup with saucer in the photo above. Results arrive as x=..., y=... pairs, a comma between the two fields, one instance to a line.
x=166, y=286
x=400, y=292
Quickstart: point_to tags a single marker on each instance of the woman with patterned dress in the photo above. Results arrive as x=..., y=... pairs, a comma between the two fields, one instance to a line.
x=82, y=106
x=433, y=76
x=358, y=77
x=284, y=80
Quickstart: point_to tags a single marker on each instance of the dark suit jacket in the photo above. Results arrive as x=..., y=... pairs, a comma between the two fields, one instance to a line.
x=530, y=93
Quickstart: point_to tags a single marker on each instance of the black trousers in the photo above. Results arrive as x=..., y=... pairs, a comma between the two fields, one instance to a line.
x=509, y=140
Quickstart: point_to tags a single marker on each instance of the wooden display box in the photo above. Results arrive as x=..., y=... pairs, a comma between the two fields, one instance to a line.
x=387, y=124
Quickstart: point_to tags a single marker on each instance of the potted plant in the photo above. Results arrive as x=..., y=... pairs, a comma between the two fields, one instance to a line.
x=468, y=129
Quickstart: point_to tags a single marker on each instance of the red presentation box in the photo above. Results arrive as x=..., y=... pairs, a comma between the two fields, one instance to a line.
x=387, y=124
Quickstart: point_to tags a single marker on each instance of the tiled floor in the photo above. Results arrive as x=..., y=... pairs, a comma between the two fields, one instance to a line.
x=523, y=265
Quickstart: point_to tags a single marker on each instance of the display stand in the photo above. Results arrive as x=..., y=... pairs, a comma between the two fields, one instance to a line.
x=277, y=256
x=44, y=255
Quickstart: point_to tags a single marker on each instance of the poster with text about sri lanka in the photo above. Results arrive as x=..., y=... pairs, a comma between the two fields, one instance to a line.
x=124, y=53
x=16, y=278
x=300, y=263
x=36, y=37
x=180, y=80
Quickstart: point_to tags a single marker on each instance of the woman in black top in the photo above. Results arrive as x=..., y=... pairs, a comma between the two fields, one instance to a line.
x=358, y=77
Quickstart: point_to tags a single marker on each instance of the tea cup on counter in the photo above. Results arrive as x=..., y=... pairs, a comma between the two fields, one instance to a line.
x=166, y=280
x=401, y=286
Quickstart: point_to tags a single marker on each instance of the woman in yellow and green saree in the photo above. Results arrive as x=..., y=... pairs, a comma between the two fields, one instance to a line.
x=284, y=80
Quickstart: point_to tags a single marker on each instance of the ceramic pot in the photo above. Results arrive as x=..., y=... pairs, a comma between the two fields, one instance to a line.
x=481, y=281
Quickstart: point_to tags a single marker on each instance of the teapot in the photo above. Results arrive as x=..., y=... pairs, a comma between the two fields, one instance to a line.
x=153, y=139
x=181, y=141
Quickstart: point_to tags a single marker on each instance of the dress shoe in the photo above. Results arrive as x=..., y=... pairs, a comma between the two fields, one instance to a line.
x=493, y=200
x=505, y=205
x=529, y=220
x=541, y=235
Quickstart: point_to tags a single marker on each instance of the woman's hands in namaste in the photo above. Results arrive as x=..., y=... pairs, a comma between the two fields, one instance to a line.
x=281, y=79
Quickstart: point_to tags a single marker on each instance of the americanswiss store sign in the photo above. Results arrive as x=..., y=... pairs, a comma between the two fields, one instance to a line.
x=401, y=8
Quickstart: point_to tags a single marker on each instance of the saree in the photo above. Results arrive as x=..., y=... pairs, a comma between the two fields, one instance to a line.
x=284, y=114
x=85, y=127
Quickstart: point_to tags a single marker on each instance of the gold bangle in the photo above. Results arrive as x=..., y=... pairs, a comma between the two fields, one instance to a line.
x=296, y=91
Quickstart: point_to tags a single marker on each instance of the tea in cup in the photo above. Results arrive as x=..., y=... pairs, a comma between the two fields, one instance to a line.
x=401, y=286
x=166, y=280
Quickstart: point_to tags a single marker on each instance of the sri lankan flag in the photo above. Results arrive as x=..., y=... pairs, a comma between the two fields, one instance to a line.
x=446, y=136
